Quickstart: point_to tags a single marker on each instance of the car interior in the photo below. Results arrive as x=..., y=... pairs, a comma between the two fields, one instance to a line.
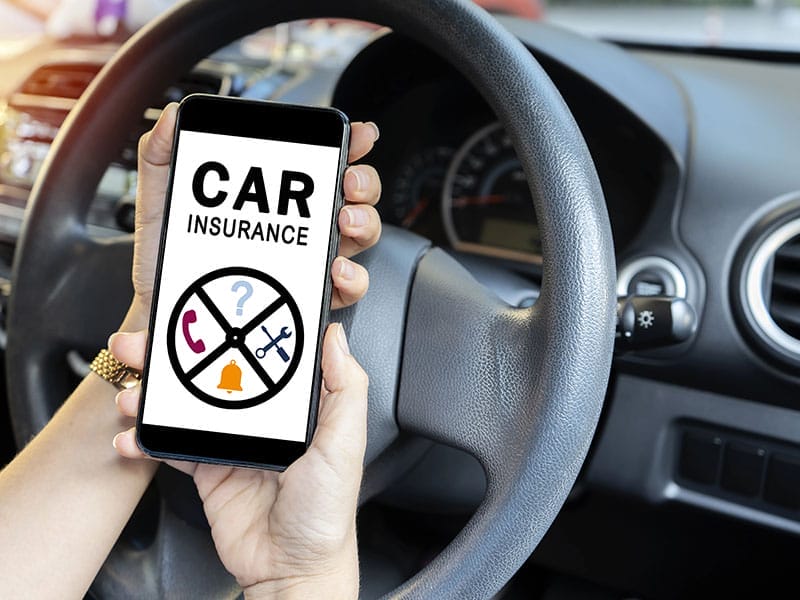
x=563, y=404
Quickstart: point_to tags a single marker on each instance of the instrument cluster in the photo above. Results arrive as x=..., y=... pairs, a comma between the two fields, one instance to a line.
x=473, y=197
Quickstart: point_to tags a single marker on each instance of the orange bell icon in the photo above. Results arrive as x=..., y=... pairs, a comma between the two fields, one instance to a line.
x=231, y=378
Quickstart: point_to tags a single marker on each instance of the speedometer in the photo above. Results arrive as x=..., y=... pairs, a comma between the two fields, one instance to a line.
x=413, y=199
x=486, y=204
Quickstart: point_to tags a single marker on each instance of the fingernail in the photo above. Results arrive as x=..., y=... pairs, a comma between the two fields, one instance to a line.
x=114, y=441
x=342, y=339
x=355, y=217
x=375, y=130
x=121, y=394
x=358, y=179
x=346, y=269
x=172, y=107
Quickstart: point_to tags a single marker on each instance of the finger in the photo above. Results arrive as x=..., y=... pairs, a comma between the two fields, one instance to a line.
x=155, y=146
x=360, y=226
x=341, y=434
x=128, y=401
x=362, y=138
x=350, y=282
x=129, y=347
x=155, y=150
x=362, y=184
x=125, y=444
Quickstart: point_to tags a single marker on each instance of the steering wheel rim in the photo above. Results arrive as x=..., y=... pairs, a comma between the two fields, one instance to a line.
x=524, y=396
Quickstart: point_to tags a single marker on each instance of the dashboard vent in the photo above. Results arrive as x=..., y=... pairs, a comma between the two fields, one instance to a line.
x=769, y=284
x=784, y=293
x=70, y=80
x=60, y=80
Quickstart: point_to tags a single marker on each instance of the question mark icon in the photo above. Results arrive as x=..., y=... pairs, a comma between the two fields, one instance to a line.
x=245, y=297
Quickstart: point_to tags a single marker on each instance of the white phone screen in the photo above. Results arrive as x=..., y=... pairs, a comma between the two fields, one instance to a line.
x=239, y=300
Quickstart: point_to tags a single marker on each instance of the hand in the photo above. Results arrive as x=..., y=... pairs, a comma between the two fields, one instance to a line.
x=289, y=533
x=359, y=222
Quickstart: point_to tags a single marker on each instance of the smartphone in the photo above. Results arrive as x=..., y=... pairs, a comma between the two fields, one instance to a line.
x=243, y=285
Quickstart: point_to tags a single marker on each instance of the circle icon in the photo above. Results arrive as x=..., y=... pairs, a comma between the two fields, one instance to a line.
x=235, y=338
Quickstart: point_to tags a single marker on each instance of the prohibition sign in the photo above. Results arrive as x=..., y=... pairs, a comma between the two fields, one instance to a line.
x=236, y=338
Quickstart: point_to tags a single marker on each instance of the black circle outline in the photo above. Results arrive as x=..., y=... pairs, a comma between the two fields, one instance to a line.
x=172, y=332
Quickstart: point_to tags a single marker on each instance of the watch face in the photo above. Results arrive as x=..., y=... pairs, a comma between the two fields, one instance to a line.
x=128, y=379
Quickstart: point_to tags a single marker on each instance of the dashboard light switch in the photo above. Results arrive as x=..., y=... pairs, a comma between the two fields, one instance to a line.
x=653, y=321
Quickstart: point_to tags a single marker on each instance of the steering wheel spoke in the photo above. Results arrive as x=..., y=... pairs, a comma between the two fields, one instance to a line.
x=156, y=563
x=87, y=299
x=391, y=264
x=468, y=362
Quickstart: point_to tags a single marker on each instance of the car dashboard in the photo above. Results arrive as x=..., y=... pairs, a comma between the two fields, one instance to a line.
x=457, y=179
x=698, y=157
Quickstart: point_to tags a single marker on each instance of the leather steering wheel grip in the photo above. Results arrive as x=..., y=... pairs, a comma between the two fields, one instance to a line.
x=520, y=389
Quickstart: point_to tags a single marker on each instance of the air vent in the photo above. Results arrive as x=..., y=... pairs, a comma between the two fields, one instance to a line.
x=784, y=294
x=60, y=80
x=769, y=284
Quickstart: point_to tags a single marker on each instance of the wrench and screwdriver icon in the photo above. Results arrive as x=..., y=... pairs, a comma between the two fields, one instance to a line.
x=273, y=343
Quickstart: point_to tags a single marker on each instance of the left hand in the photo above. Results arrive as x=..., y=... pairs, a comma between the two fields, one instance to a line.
x=359, y=222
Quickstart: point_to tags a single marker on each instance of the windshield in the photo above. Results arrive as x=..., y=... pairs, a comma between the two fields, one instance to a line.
x=749, y=24
x=752, y=24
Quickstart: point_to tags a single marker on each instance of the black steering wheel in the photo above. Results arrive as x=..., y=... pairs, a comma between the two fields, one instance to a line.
x=520, y=389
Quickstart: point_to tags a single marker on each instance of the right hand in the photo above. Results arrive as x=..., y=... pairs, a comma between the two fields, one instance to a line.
x=290, y=533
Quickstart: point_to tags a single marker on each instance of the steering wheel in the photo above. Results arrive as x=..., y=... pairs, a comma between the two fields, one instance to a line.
x=520, y=389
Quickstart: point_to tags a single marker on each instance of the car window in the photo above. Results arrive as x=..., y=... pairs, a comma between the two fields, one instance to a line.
x=752, y=24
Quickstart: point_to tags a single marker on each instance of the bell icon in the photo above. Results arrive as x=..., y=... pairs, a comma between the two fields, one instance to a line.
x=231, y=378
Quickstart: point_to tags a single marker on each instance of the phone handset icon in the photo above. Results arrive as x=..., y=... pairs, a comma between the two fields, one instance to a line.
x=197, y=346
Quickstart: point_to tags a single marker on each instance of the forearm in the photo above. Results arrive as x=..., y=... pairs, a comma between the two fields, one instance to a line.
x=66, y=497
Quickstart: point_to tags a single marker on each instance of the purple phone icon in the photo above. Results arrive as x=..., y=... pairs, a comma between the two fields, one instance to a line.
x=197, y=346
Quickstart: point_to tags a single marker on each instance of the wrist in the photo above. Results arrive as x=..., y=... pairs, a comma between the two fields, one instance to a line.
x=336, y=579
x=336, y=587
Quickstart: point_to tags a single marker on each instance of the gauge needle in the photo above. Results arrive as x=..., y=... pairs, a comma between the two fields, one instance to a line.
x=415, y=212
x=465, y=201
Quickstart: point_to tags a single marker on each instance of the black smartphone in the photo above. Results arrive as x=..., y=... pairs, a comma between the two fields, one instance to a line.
x=243, y=287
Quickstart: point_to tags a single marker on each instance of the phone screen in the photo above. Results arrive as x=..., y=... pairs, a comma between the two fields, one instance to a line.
x=243, y=289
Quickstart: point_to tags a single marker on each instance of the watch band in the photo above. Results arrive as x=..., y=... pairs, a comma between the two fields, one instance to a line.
x=115, y=372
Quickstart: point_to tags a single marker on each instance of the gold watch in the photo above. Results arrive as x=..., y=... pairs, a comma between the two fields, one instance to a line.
x=115, y=372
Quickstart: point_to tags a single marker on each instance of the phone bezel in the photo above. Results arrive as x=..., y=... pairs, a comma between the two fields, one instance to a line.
x=263, y=120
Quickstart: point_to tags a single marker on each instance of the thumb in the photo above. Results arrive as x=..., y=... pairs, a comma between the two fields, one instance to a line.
x=155, y=146
x=155, y=151
x=129, y=347
x=341, y=434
